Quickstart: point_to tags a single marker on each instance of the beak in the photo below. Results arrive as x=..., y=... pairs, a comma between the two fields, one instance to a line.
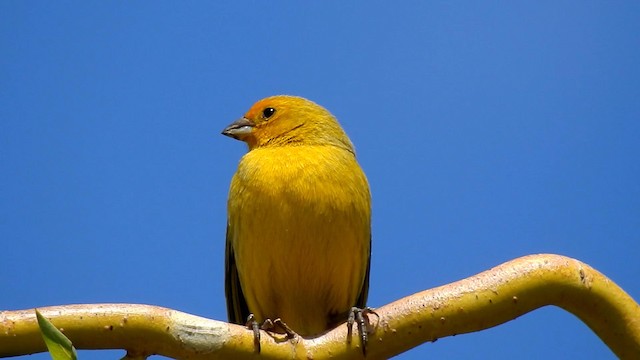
x=239, y=128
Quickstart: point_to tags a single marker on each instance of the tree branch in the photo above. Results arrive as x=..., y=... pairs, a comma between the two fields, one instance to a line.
x=476, y=303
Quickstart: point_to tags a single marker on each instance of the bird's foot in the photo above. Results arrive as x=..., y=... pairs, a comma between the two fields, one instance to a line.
x=360, y=316
x=276, y=325
x=253, y=325
x=269, y=326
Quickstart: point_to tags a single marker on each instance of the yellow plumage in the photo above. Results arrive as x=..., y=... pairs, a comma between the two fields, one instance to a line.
x=298, y=234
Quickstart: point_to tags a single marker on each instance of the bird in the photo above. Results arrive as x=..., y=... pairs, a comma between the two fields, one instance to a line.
x=298, y=240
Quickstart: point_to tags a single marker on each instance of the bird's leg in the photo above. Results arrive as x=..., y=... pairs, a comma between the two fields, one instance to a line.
x=360, y=316
x=252, y=324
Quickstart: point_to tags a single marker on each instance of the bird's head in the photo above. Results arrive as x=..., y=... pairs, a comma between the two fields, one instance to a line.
x=288, y=121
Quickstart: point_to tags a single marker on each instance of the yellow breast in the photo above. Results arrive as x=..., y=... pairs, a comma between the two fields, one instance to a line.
x=300, y=219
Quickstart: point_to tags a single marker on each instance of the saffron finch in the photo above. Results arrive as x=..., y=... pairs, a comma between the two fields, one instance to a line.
x=298, y=242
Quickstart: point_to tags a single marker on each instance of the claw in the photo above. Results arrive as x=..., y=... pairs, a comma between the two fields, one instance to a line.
x=360, y=316
x=290, y=333
x=252, y=324
x=267, y=325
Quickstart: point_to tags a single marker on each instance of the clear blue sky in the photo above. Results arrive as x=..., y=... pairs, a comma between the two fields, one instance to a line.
x=487, y=131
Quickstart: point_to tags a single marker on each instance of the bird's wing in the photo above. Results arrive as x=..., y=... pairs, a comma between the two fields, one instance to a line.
x=237, y=309
x=364, y=291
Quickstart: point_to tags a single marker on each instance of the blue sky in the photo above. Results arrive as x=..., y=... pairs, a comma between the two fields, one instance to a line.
x=488, y=131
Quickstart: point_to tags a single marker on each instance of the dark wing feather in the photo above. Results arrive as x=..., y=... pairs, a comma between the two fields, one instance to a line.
x=364, y=291
x=237, y=309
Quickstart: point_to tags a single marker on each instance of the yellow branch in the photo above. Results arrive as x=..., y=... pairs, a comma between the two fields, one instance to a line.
x=479, y=302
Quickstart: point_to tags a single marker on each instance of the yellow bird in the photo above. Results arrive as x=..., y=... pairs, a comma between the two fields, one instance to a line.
x=298, y=241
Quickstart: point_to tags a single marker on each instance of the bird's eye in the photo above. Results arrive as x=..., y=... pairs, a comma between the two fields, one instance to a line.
x=268, y=112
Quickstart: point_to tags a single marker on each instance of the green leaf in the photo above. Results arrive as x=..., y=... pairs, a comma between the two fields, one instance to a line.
x=59, y=346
